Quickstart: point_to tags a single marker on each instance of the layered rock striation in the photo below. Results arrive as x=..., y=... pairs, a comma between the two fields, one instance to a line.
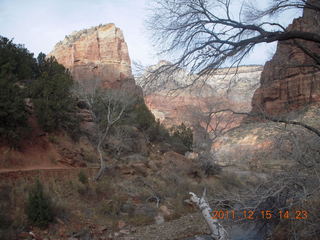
x=176, y=97
x=173, y=101
x=98, y=54
x=291, y=79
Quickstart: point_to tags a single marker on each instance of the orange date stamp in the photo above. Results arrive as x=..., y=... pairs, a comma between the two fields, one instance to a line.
x=262, y=214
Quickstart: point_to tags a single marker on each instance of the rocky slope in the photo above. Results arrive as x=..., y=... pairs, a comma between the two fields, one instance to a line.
x=289, y=80
x=269, y=146
x=97, y=54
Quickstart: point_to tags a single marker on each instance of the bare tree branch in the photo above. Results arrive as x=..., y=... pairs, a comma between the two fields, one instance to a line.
x=107, y=108
x=273, y=119
x=203, y=35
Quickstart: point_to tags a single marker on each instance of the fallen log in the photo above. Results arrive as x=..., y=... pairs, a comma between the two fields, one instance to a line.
x=218, y=232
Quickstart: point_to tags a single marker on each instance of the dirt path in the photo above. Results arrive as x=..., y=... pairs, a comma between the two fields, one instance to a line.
x=23, y=169
x=7, y=174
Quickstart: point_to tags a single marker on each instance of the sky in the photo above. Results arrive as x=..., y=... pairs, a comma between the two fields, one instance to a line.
x=40, y=24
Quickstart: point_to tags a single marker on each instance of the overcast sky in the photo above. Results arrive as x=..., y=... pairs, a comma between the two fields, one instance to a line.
x=40, y=24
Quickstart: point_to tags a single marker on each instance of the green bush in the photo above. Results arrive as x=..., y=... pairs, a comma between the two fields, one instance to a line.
x=144, y=117
x=158, y=133
x=139, y=115
x=83, y=177
x=177, y=145
x=39, y=210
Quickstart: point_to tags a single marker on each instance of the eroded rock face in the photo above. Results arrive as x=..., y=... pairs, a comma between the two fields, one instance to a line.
x=224, y=89
x=99, y=54
x=289, y=80
x=192, y=105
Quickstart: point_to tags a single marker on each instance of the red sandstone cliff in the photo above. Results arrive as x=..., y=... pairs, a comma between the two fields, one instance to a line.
x=288, y=80
x=223, y=89
x=193, y=105
x=97, y=54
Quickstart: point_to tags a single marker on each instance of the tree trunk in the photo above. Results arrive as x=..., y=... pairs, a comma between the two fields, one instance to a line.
x=217, y=230
x=102, y=162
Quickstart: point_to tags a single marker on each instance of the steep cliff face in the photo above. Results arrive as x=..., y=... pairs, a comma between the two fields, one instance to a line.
x=289, y=80
x=191, y=105
x=97, y=54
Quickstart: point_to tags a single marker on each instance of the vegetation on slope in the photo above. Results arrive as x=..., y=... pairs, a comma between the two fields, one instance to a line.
x=45, y=82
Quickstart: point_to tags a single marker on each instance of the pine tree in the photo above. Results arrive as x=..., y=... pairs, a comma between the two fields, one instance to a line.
x=51, y=95
x=16, y=66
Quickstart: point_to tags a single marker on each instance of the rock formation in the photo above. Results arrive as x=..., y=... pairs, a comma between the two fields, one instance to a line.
x=98, y=54
x=170, y=101
x=290, y=80
x=173, y=104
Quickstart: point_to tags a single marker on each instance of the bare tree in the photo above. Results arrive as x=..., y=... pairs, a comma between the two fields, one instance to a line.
x=208, y=123
x=107, y=108
x=204, y=34
x=217, y=123
x=264, y=116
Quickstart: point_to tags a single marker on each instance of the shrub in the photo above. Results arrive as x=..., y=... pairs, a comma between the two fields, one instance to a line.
x=82, y=177
x=210, y=169
x=139, y=115
x=89, y=156
x=144, y=117
x=83, y=190
x=39, y=209
x=113, y=206
x=207, y=163
x=157, y=132
x=184, y=134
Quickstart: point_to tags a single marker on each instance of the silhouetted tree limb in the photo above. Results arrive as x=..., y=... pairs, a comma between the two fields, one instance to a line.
x=204, y=35
x=273, y=119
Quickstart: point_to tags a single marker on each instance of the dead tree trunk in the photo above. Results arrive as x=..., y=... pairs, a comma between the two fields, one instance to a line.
x=217, y=230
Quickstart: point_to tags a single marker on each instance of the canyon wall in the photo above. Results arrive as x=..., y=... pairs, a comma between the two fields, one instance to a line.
x=98, y=54
x=291, y=78
x=170, y=101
